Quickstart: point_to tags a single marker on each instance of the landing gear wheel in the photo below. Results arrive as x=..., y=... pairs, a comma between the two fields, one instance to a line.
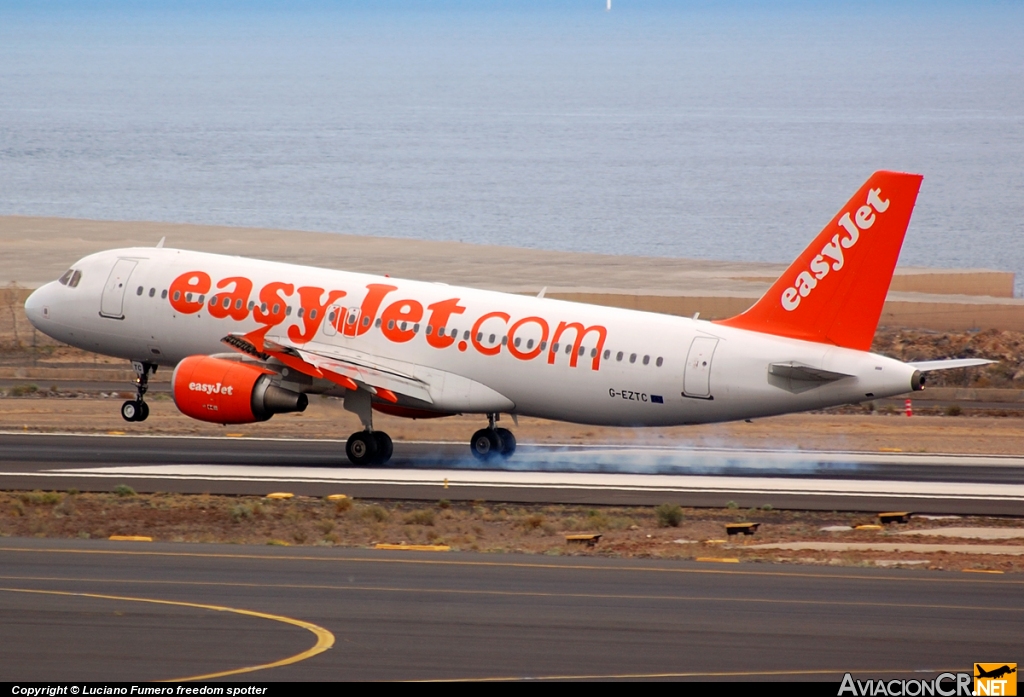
x=143, y=411
x=508, y=441
x=130, y=411
x=485, y=444
x=385, y=447
x=361, y=449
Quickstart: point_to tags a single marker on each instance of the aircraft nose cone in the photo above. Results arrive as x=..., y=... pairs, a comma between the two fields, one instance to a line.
x=36, y=308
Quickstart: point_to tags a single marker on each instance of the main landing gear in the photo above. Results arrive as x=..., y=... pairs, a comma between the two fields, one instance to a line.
x=137, y=409
x=366, y=448
x=491, y=442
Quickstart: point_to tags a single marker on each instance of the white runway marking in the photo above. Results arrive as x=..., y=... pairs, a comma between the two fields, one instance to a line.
x=556, y=480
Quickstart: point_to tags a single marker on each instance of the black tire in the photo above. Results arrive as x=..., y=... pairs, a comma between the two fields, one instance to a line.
x=485, y=444
x=361, y=449
x=508, y=441
x=385, y=448
x=143, y=412
x=130, y=410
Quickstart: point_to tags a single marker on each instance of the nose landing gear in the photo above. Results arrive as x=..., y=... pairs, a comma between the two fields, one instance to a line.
x=137, y=409
x=490, y=442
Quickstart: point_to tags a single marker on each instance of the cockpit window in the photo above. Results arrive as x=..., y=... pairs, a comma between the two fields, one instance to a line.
x=70, y=278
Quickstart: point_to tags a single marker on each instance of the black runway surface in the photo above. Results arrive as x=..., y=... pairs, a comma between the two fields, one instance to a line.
x=422, y=616
x=619, y=475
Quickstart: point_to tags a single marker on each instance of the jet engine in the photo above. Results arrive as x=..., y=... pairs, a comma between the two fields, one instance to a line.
x=230, y=392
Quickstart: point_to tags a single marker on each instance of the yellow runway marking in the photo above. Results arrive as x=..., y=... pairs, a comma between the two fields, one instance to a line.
x=515, y=565
x=519, y=594
x=720, y=674
x=324, y=639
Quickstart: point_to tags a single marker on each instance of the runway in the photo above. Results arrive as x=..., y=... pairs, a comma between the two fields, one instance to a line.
x=145, y=610
x=570, y=473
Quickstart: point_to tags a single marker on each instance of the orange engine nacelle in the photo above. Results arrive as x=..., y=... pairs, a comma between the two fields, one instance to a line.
x=230, y=392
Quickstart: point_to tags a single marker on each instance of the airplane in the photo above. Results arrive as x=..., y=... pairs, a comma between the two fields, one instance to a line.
x=248, y=339
x=994, y=673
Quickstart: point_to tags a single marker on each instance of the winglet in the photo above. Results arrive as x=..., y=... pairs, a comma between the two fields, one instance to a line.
x=160, y=244
x=834, y=292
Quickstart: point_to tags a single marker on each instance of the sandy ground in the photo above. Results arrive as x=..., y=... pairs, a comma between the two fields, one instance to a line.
x=664, y=532
x=325, y=418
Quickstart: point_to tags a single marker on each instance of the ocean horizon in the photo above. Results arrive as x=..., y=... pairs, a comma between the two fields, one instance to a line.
x=692, y=130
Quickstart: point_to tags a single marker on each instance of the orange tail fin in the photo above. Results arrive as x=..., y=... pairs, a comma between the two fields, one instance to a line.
x=833, y=293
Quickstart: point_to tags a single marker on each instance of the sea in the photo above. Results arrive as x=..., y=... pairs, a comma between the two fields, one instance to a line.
x=711, y=130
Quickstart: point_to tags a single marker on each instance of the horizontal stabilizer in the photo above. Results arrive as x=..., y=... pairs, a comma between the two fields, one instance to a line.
x=796, y=371
x=925, y=366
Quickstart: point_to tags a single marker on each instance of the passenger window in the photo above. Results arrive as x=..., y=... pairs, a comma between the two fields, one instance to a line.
x=288, y=311
x=543, y=345
x=330, y=318
x=277, y=308
x=516, y=342
x=238, y=304
x=430, y=330
x=366, y=321
x=202, y=298
x=163, y=294
x=152, y=292
x=568, y=349
x=490, y=339
x=618, y=356
x=593, y=353
x=583, y=349
x=554, y=347
x=301, y=312
x=263, y=308
x=529, y=343
x=378, y=322
x=140, y=290
x=252, y=304
x=659, y=361
x=177, y=295
x=647, y=359
x=632, y=358
x=404, y=325
x=465, y=337
x=391, y=324
x=607, y=353
x=312, y=313
x=416, y=328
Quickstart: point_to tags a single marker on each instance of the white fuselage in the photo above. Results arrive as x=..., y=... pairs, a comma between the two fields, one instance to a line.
x=623, y=367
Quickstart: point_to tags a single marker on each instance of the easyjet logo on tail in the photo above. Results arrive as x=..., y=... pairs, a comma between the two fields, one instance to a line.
x=832, y=256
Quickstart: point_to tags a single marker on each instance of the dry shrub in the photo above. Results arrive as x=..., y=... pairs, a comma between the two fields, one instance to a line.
x=421, y=517
x=375, y=513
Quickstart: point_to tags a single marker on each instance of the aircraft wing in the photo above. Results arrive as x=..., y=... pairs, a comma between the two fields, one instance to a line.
x=349, y=369
x=925, y=366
